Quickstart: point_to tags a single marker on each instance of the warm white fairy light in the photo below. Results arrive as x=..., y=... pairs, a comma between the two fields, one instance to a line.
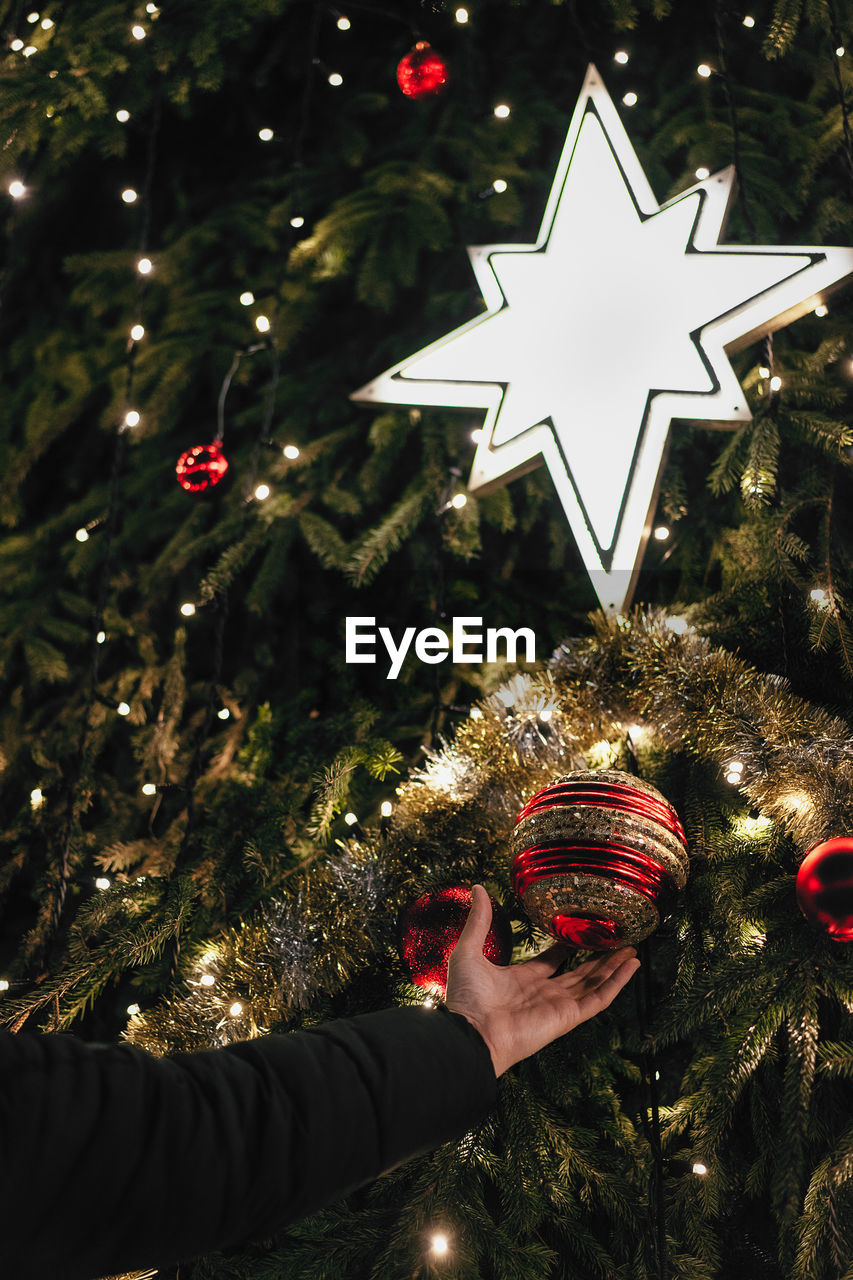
x=734, y=779
x=821, y=310
x=763, y=371
x=439, y=1244
x=630, y=99
x=386, y=808
x=46, y=24
x=840, y=51
x=247, y=298
x=703, y=70
x=262, y=324
x=700, y=1168
x=132, y=1010
x=129, y=196
x=17, y=45
x=297, y=221
x=122, y=115
x=102, y=883
x=748, y=20
x=188, y=609
x=36, y=798
x=499, y=185
x=702, y=173
x=461, y=15
x=236, y=1009
x=123, y=709
x=30, y=50
x=17, y=189
x=476, y=713
x=207, y=980
x=144, y=266
x=138, y=33
x=262, y=491
x=661, y=532
x=223, y=714
x=290, y=451
x=620, y=56
x=429, y=1003
x=33, y=17
x=82, y=535
x=4, y=985
x=458, y=501
x=131, y=418
x=502, y=111
x=152, y=8
x=149, y=789
x=335, y=78
x=775, y=383
x=350, y=819
x=344, y=23
x=101, y=637
x=266, y=135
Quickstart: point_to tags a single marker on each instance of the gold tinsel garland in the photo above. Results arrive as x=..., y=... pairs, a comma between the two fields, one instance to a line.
x=455, y=814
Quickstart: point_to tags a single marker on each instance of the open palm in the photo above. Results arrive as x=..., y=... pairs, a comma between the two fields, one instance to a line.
x=520, y=1008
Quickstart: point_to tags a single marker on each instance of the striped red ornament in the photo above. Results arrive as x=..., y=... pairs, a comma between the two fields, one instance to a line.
x=597, y=856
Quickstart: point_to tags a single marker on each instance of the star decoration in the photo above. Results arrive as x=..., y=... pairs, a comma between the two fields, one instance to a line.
x=615, y=322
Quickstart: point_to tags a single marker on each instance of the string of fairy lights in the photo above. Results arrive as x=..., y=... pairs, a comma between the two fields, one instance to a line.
x=133, y=415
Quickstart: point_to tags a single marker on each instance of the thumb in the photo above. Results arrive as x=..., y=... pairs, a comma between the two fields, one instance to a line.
x=479, y=921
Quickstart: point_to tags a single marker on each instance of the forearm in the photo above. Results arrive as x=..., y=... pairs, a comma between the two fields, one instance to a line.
x=183, y=1155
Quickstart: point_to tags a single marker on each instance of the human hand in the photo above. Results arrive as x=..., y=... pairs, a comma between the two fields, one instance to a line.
x=520, y=1008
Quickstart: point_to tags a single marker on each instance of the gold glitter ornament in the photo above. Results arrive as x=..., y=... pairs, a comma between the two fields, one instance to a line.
x=595, y=854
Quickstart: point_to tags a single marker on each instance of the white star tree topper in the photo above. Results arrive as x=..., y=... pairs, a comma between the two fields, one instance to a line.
x=614, y=322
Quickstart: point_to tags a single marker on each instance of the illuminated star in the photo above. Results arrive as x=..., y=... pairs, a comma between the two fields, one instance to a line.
x=617, y=320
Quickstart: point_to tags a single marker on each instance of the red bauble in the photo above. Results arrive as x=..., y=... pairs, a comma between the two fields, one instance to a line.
x=596, y=855
x=201, y=467
x=825, y=887
x=430, y=929
x=421, y=72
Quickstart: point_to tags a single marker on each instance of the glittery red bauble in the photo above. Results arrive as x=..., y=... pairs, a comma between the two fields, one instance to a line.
x=430, y=929
x=825, y=887
x=201, y=467
x=421, y=72
x=596, y=855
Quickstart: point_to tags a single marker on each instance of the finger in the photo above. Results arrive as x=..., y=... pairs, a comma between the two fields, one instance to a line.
x=479, y=921
x=594, y=1001
x=592, y=972
x=548, y=961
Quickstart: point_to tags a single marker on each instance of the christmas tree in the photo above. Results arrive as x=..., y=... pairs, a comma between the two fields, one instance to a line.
x=221, y=223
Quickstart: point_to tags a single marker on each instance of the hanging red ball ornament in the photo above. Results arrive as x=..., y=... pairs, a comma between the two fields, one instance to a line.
x=422, y=71
x=201, y=467
x=825, y=887
x=430, y=928
x=596, y=857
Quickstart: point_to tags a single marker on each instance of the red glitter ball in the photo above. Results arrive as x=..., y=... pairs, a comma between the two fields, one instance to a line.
x=430, y=929
x=825, y=887
x=201, y=467
x=422, y=71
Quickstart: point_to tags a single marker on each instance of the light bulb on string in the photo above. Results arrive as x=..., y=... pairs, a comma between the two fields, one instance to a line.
x=343, y=23
x=129, y=196
x=502, y=110
x=138, y=33
x=335, y=79
x=661, y=532
x=36, y=798
x=499, y=185
x=102, y=883
x=101, y=637
x=748, y=20
x=207, y=980
x=17, y=189
x=703, y=70
x=386, y=809
x=461, y=15
x=247, y=298
x=123, y=709
x=149, y=789
x=630, y=99
x=131, y=418
x=132, y=1010
x=17, y=45
x=297, y=221
x=620, y=56
x=223, y=714
x=702, y=173
x=188, y=609
x=144, y=266
x=350, y=819
x=266, y=135
x=821, y=310
x=32, y=18
x=137, y=333
x=290, y=451
x=262, y=491
x=262, y=324
x=122, y=115
x=439, y=1245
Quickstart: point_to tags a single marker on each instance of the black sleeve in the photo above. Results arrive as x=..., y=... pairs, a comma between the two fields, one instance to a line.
x=112, y=1159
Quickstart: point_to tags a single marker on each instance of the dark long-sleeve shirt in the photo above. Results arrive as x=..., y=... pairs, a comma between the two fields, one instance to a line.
x=112, y=1159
